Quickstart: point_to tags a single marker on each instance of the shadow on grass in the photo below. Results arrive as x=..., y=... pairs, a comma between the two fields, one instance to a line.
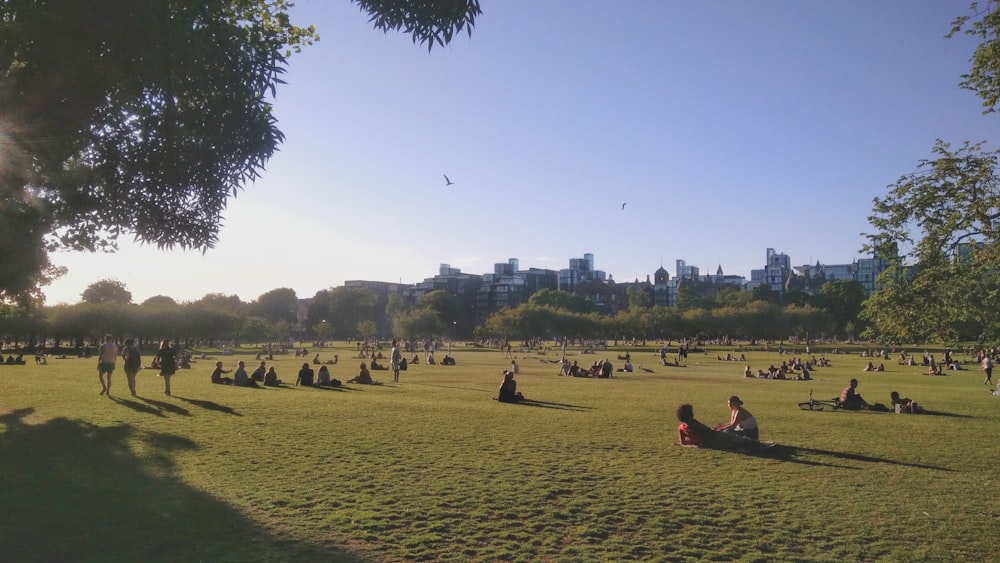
x=948, y=414
x=168, y=407
x=548, y=405
x=210, y=405
x=325, y=388
x=451, y=387
x=137, y=406
x=791, y=453
x=74, y=491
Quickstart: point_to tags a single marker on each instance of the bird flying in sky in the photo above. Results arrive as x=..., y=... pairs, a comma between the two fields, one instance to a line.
x=448, y=182
x=623, y=205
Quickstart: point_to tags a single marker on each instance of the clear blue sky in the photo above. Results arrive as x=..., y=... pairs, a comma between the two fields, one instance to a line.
x=727, y=126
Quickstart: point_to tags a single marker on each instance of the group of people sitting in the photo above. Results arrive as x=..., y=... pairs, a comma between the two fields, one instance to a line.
x=268, y=377
x=798, y=371
x=871, y=367
x=740, y=433
x=928, y=361
x=731, y=358
x=12, y=361
x=743, y=433
x=602, y=368
x=851, y=400
x=333, y=362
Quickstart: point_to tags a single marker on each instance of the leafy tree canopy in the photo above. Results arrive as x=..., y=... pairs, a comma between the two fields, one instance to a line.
x=146, y=117
x=107, y=291
x=277, y=305
x=983, y=78
x=562, y=300
x=939, y=230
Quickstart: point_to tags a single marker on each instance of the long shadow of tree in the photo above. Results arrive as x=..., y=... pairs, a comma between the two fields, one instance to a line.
x=73, y=491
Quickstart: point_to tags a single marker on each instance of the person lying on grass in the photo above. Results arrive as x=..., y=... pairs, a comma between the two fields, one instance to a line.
x=691, y=432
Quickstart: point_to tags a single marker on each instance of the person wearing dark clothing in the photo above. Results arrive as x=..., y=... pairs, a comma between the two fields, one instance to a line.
x=271, y=378
x=166, y=358
x=508, y=389
x=306, y=376
x=217, y=375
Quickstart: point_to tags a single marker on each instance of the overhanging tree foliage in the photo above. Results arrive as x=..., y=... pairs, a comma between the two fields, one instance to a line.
x=144, y=117
x=983, y=77
x=939, y=230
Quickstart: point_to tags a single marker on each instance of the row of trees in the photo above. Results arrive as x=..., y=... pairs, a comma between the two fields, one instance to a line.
x=346, y=312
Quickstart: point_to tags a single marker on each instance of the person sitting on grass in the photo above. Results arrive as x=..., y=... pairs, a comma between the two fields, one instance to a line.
x=508, y=389
x=741, y=422
x=869, y=367
x=271, y=378
x=747, y=372
x=691, y=432
x=905, y=404
x=305, y=376
x=322, y=376
x=241, y=378
x=415, y=360
x=259, y=373
x=217, y=375
x=447, y=360
x=850, y=399
x=316, y=360
x=364, y=376
x=376, y=366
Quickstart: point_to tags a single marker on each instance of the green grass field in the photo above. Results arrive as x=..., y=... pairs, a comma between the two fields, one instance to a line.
x=434, y=469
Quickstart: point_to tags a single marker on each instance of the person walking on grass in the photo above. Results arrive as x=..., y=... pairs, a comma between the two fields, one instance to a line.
x=107, y=355
x=133, y=363
x=166, y=358
x=987, y=367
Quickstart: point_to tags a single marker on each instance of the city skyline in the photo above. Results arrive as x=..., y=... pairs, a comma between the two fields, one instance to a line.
x=727, y=128
x=448, y=269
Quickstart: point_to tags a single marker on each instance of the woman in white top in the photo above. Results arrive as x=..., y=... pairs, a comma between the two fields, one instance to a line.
x=741, y=422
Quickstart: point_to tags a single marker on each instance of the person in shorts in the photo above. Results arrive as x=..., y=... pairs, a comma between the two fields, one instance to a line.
x=107, y=355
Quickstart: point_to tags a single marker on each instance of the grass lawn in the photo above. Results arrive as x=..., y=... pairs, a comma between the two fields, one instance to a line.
x=433, y=469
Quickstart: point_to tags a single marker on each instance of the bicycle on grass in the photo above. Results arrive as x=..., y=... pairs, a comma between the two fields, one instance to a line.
x=819, y=404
